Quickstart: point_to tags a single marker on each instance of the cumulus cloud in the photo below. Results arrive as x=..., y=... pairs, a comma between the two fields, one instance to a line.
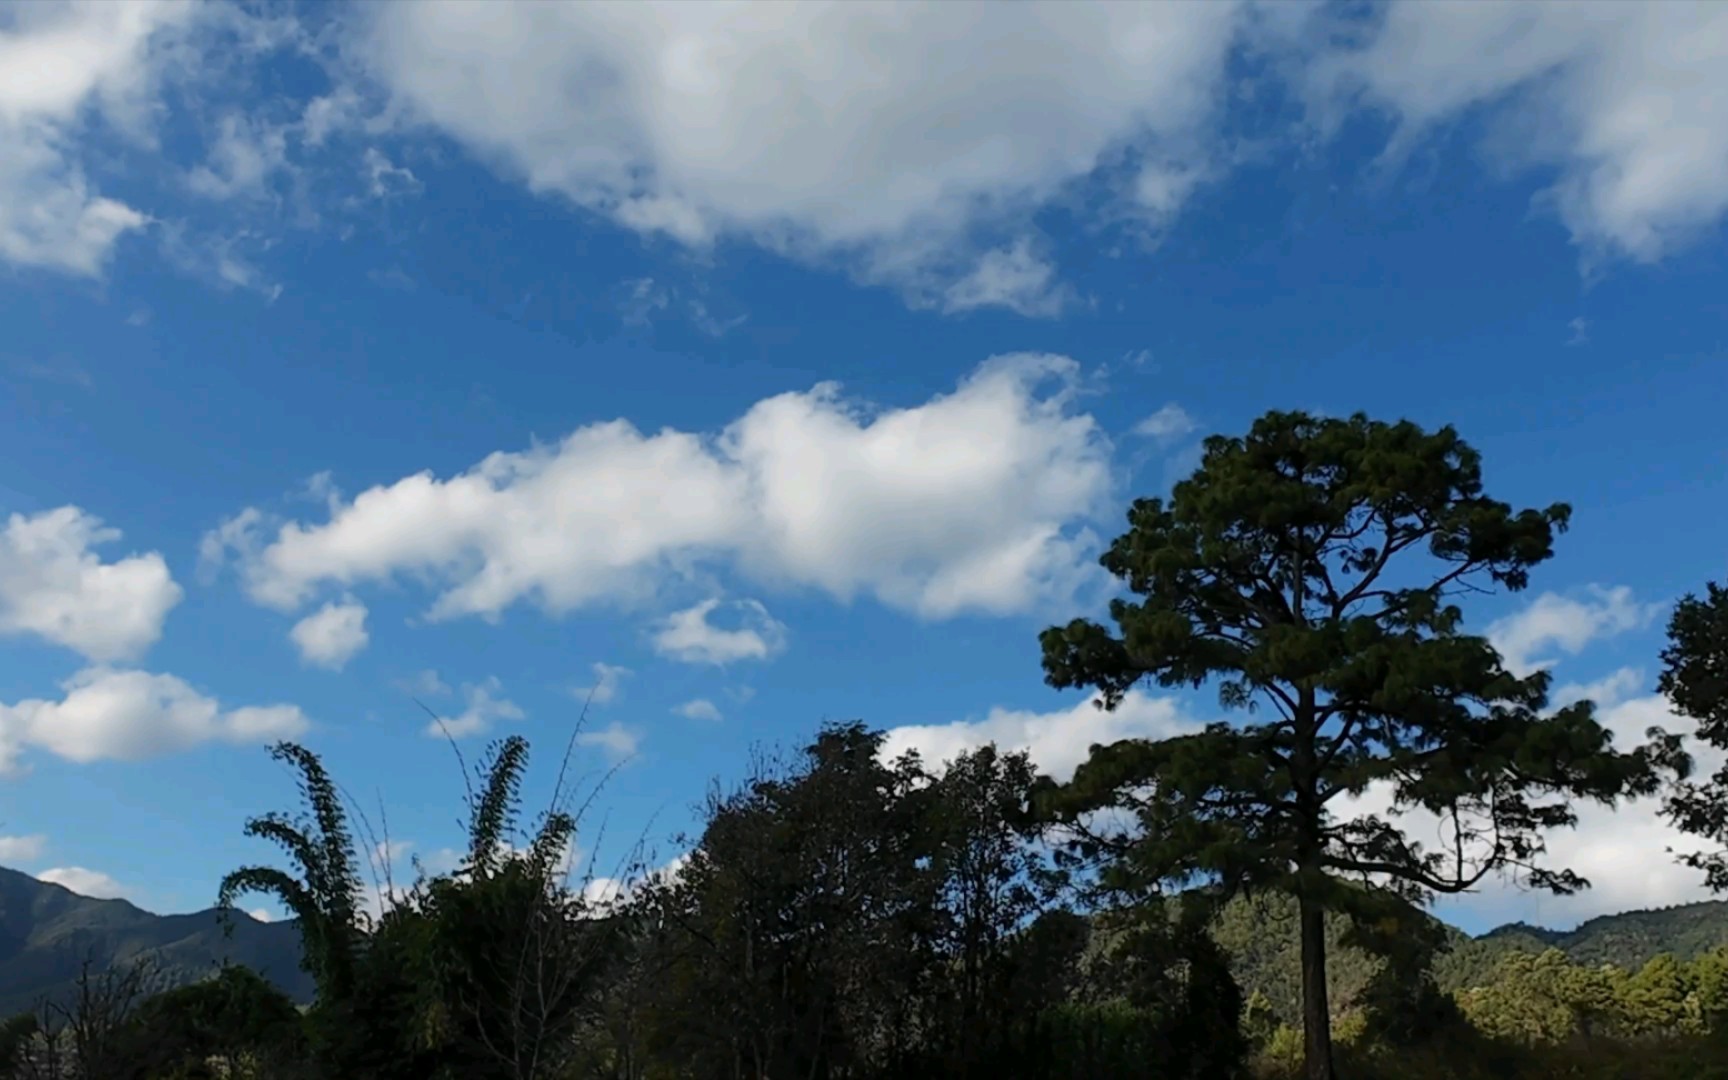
x=1624, y=104
x=913, y=144
x=110, y=714
x=92, y=883
x=889, y=134
x=332, y=635
x=484, y=704
x=974, y=501
x=688, y=635
x=1566, y=623
x=22, y=849
x=52, y=585
x=59, y=64
x=1168, y=423
x=615, y=740
x=1013, y=277
x=607, y=684
x=699, y=709
x=261, y=914
x=1057, y=742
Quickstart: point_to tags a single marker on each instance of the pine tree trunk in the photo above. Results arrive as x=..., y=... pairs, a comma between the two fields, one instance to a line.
x=1316, y=1008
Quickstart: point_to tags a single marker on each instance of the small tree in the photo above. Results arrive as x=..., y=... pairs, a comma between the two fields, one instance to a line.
x=86, y=1032
x=989, y=884
x=1287, y=571
x=514, y=965
x=1695, y=679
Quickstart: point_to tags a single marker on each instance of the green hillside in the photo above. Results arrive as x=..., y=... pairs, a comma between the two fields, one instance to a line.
x=1260, y=937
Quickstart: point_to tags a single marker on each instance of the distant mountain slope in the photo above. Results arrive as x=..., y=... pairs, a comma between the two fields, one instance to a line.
x=1631, y=938
x=47, y=931
x=1266, y=955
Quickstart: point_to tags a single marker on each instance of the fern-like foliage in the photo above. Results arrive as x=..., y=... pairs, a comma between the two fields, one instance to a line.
x=326, y=895
x=493, y=814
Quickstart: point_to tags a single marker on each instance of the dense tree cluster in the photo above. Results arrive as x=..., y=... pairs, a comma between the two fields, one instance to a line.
x=1201, y=907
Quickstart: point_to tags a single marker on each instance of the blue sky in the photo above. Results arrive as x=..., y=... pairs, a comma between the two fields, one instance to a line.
x=766, y=365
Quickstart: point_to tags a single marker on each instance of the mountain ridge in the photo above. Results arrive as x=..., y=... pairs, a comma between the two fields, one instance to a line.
x=47, y=932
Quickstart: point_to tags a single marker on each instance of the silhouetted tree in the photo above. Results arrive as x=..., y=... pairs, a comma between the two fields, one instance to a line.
x=1695, y=679
x=1286, y=570
x=513, y=961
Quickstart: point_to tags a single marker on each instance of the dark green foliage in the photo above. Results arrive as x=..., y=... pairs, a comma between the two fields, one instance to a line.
x=325, y=895
x=510, y=961
x=1695, y=678
x=232, y=1018
x=928, y=873
x=801, y=919
x=843, y=916
x=15, y=1035
x=1288, y=571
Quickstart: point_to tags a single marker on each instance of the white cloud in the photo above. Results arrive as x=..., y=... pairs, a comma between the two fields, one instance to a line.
x=888, y=134
x=975, y=501
x=384, y=178
x=608, y=681
x=642, y=297
x=244, y=156
x=332, y=635
x=615, y=739
x=236, y=536
x=60, y=63
x=261, y=915
x=605, y=892
x=1057, y=742
x=1624, y=104
x=132, y=715
x=1013, y=277
x=52, y=585
x=913, y=144
x=699, y=709
x=390, y=852
x=92, y=883
x=484, y=704
x=855, y=131
x=711, y=324
x=1169, y=422
x=1568, y=624
x=688, y=635
x=22, y=849
x=424, y=684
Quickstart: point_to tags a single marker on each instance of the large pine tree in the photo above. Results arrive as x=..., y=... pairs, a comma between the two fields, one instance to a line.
x=1309, y=571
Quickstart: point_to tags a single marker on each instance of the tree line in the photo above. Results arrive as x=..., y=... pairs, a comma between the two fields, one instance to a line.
x=846, y=917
